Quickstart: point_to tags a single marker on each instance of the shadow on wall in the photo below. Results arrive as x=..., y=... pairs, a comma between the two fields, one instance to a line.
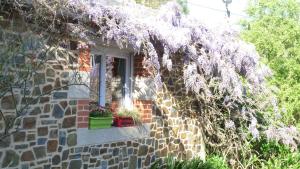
x=178, y=134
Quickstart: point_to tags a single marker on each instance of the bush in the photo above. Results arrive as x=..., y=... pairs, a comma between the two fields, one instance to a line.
x=213, y=162
x=264, y=155
x=274, y=155
x=290, y=161
x=273, y=27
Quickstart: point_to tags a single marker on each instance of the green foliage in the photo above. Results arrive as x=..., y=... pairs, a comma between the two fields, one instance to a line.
x=183, y=4
x=266, y=149
x=274, y=28
x=158, y=3
x=152, y=3
x=100, y=112
x=273, y=155
x=130, y=112
x=290, y=161
x=265, y=154
x=213, y=162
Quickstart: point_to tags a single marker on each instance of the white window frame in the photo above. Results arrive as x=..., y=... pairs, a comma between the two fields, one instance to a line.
x=111, y=52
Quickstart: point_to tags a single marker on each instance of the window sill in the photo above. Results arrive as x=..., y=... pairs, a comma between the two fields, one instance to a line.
x=114, y=134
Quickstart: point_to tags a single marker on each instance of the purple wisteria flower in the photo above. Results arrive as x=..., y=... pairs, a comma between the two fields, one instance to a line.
x=217, y=64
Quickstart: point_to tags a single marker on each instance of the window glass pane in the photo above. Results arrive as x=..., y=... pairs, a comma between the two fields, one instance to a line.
x=115, y=81
x=95, y=79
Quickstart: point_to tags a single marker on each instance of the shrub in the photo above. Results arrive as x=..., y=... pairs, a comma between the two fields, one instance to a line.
x=290, y=160
x=213, y=162
x=274, y=155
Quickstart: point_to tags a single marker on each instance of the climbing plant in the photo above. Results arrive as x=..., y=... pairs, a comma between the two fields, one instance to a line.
x=222, y=74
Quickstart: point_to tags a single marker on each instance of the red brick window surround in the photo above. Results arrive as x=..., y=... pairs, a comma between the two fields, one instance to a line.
x=82, y=113
x=139, y=70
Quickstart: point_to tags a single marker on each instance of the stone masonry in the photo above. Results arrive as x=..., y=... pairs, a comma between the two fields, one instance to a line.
x=47, y=134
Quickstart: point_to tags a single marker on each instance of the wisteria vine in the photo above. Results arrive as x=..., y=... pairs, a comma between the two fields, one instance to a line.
x=218, y=66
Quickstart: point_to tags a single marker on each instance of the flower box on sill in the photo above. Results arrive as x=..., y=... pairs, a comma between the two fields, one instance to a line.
x=100, y=118
x=100, y=122
x=127, y=116
x=123, y=121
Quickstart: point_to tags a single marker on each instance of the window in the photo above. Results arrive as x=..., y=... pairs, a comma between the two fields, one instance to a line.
x=109, y=78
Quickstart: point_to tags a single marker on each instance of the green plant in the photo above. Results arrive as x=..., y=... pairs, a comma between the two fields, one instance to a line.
x=152, y=3
x=290, y=161
x=212, y=162
x=131, y=111
x=267, y=149
x=215, y=162
x=273, y=27
x=158, y=3
x=100, y=112
x=274, y=155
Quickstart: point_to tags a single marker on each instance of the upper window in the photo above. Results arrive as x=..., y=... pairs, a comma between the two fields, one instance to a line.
x=109, y=79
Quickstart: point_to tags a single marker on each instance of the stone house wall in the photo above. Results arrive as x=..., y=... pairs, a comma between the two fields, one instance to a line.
x=47, y=136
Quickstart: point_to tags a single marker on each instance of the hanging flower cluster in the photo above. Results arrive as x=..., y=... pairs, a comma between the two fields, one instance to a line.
x=219, y=57
x=284, y=134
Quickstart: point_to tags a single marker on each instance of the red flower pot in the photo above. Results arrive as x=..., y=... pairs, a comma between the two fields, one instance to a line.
x=123, y=121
